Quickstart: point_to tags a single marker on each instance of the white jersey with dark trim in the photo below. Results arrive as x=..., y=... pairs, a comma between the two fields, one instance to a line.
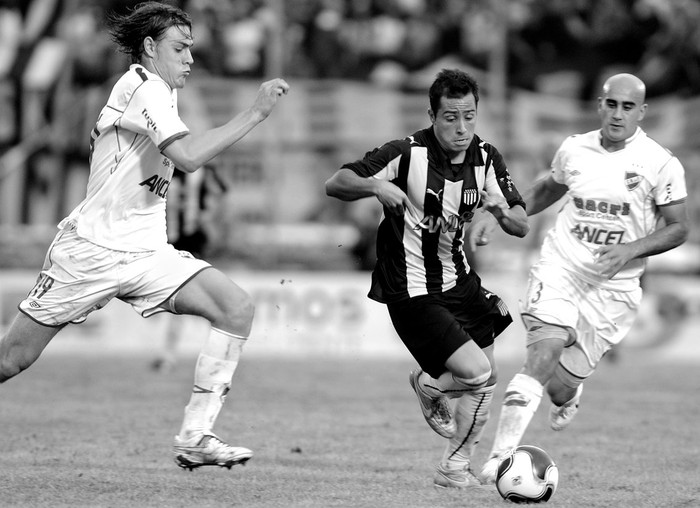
x=124, y=208
x=613, y=198
x=422, y=251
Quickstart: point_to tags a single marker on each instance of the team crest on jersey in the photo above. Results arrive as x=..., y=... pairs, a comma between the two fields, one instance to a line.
x=470, y=196
x=632, y=180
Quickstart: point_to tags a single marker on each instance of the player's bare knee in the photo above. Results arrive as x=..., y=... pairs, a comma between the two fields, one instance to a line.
x=245, y=310
x=545, y=343
x=474, y=382
x=237, y=317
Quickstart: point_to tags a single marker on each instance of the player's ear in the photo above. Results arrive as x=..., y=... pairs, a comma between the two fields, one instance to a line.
x=642, y=112
x=149, y=46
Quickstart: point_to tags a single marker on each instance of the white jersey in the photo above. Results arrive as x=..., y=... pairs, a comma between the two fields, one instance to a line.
x=613, y=198
x=129, y=176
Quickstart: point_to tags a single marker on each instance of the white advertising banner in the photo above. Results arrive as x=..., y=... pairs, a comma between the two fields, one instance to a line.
x=297, y=313
x=329, y=314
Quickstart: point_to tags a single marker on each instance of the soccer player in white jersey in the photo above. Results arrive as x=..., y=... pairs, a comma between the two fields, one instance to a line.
x=430, y=185
x=624, y=200
x=114, y=244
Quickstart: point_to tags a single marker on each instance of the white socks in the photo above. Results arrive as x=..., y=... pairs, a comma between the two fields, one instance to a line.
x=522, y=398
x=214, y=370
x=471, y=414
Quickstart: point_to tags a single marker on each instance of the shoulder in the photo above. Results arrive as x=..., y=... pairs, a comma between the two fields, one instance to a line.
x=488, y=148
x=652, y=148
x=585, y=139
x=401, y=147
x=138, y=78
x=423, y=137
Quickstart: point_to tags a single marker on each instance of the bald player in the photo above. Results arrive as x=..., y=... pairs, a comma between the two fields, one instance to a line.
x=624, y=200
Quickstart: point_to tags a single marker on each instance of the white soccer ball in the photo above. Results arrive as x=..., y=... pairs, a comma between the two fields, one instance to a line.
x=527, y=474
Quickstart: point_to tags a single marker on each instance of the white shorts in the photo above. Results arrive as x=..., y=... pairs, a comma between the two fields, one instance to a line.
x=79, y=277
x=596, y=318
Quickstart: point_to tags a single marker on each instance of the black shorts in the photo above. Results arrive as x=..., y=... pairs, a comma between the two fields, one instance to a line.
x=434, y=326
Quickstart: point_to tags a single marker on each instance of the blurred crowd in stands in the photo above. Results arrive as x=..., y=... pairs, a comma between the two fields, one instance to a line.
x=56, y=55
x=546, y=44
x=54, y=52
x=350, y=38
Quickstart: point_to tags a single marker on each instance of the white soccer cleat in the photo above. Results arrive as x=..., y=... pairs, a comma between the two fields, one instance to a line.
x=455, y=478
x=209, y=450
x=489, y=471
x=561, y=416
x=436, y=411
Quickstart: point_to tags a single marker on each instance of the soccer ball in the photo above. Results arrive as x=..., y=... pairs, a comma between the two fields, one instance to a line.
x=527, y=474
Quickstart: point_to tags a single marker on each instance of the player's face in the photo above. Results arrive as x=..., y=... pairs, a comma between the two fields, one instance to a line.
x=454, y=123
x=620, y=111
x=172, y=57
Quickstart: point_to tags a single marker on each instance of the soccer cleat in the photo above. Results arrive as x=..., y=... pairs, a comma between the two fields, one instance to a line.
x=489, y=471
x=560, y=416
x=436, y=411
x=455, y=478
x=209, y=451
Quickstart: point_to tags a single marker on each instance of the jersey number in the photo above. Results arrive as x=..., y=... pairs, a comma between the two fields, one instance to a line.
x=43, y=284
x=536, y=293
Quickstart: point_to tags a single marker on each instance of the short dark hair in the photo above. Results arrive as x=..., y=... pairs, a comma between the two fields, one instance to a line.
x=147, y=19
x=452, y=83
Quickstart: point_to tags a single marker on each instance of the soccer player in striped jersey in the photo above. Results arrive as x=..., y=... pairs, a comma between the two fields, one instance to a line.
x=430, y=185
x=114, y=243
x=624, y=200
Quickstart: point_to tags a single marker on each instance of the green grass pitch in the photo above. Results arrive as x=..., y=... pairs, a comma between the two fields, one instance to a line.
x=93, y=431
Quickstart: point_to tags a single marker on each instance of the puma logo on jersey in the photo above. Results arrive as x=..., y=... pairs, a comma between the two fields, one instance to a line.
x=436, y=194
x=157, y=185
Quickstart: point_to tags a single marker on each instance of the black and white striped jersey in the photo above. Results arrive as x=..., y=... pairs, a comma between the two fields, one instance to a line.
x=421, y=252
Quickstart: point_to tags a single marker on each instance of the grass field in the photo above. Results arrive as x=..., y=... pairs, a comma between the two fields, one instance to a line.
x=96, y=432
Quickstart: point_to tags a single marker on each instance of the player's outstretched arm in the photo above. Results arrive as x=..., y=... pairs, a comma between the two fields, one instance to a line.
x=513, y=220
x=193, y=151
x=348, y=186
x=544, y=193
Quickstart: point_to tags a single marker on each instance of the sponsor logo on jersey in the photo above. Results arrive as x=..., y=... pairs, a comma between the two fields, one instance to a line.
x=436, y=194
x=150, y=123
x=598, y=236
x=632, y=180
x=451, y=224
x=157, y=185
x=600, y=209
